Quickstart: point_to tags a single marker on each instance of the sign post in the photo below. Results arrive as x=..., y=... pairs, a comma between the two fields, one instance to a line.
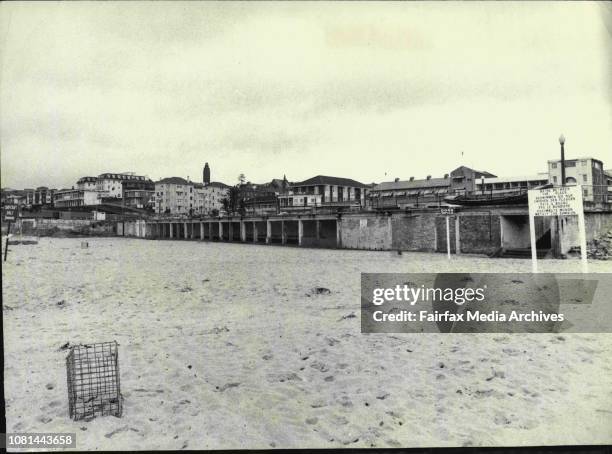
x=558, y=201
x=10, y=214
x=447, y=212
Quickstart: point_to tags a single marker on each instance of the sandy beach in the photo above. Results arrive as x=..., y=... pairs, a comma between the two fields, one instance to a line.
x=225, y=346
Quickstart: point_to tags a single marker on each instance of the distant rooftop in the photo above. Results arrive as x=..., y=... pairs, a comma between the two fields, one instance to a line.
x=583, y=158
x=217, y=184
x=120, y=176
x=517, y=178
x=86, y=179
x=173, y=180
x=335, y=181
x=477, y=173
x=414, y=184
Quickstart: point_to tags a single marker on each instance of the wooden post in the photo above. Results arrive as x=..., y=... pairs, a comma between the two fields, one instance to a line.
x=283, y=233
x=534, y=252
x=8, y=232
x=457, y=236
x=300, y=231
x=448, y=250
x=582, y=234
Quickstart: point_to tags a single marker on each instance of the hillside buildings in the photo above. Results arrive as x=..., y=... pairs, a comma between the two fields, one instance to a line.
x=178, y=196
x=127, y=189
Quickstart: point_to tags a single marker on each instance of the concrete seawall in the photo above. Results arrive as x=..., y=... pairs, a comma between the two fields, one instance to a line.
x=65, y=227
x=470, y=231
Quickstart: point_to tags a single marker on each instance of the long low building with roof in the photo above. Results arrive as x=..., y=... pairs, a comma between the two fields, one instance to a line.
x=401, y=194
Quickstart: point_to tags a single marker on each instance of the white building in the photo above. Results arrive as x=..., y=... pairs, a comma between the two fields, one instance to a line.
x=501, y=185
x=587, y=172
x=324, y=191
x=89, y=183
x=67, y=198
x=111, y=183
x=176, y=195
x=214, y=193
x=173, y=195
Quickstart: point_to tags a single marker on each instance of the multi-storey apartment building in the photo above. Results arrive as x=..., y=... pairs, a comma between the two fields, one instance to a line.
x=175, y=195
x=588, y=172
x=214, y=193
x=111, y=184
x=138, y=193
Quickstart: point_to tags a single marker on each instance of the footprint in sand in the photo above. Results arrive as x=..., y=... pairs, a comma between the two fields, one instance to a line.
x=226, y=386
x=318, y=404
x=319, y=366
x=501, y=420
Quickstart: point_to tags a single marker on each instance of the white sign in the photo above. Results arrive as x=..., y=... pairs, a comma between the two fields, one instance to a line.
x=99, y=215
x=558, y=201
x=10, y=212
x=447, y=211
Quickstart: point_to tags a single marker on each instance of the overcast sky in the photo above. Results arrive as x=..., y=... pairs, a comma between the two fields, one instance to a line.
x=369, y=91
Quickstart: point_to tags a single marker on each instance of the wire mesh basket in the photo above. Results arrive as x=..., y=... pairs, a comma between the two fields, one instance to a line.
x=93, y=381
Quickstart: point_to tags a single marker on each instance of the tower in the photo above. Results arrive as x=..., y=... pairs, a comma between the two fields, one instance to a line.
x=206, y=174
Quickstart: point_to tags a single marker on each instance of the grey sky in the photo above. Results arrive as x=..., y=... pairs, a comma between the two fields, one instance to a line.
x=345, y=89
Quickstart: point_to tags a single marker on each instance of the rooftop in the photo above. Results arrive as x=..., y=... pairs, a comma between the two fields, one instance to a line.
x=477, y=173
x=217, y=184
x=173, y=180
x=517, y=178
x=84, y=179
x=576, y=159
x=336, y=181
x=414, y=184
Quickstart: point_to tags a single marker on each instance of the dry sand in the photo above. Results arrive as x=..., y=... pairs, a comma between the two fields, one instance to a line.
x=220, y=347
